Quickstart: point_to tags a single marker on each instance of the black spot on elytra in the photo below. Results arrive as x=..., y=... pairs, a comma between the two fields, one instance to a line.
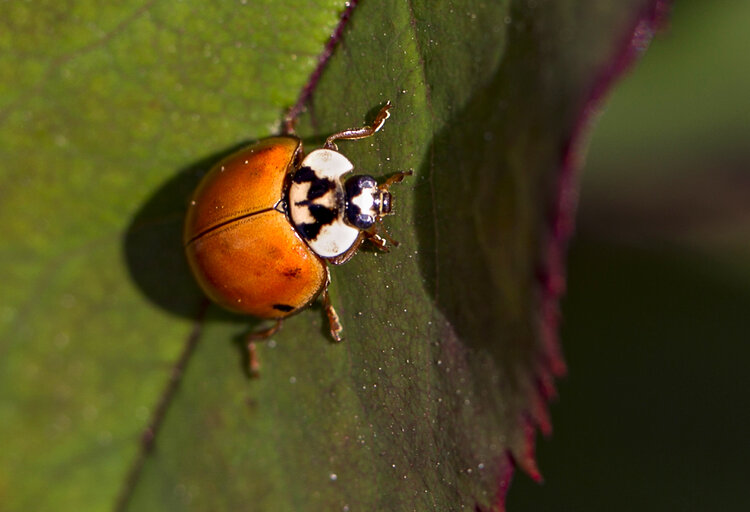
x=292, y=272
x=286, y=308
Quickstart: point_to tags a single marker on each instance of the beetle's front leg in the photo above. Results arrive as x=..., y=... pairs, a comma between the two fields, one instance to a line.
x=380, y=238
x=395, y=178
x=378, y=241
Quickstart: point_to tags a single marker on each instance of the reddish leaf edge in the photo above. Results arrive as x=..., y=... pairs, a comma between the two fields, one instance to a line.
x=551, y=276
x=307, y=90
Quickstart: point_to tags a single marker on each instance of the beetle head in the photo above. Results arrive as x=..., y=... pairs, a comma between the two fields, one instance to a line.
x=366, y=203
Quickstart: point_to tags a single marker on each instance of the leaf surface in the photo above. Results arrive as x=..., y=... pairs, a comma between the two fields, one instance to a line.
x=448, y=356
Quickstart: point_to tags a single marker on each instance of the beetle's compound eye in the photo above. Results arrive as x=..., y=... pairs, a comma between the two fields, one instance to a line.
x=361, y=201
x=385, y=203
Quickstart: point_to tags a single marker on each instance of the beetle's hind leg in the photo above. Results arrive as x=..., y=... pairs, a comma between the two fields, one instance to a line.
x=253, y=363
x=360, y=133
x=333, y=317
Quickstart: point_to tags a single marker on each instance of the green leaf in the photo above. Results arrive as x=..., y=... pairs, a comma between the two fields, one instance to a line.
x=100, y=105
x=110, y=115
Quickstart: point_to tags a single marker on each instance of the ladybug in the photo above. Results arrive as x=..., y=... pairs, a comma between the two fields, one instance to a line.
x=264, y=223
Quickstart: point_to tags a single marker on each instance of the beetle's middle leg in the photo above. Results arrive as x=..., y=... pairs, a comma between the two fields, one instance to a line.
x=333, y=317
x=252, y=353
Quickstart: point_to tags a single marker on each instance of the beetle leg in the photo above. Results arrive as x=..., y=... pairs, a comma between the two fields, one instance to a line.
x=380, y=238
x=290, y=120
x=333, y=317
x=381, y=242
x=396, y=178
x=378, y=241
x=253, y=364
x=343, y=258
x=252, y=354
x=360, y=133
x=384, y=235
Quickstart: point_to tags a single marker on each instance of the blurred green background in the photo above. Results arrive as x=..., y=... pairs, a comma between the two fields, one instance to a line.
x=655, y=410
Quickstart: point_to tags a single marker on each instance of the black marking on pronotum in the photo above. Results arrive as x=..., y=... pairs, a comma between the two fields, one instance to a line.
x=309, y=231
x=286, y=308
x=319, y=188
x=322, y=215
x=304, y=174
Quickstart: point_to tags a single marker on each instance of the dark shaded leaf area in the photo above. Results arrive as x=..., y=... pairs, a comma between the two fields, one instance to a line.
x=450, y=348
